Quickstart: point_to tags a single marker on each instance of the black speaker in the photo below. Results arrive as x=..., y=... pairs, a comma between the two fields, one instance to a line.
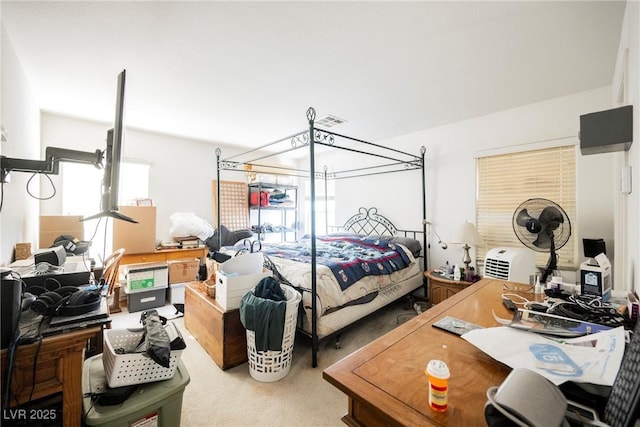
x=606, y=131
x=10, y=304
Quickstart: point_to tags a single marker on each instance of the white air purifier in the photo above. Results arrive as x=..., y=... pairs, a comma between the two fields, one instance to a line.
x=511, y=264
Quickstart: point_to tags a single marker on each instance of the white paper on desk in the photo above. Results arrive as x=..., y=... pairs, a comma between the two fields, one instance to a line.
x=593, y=358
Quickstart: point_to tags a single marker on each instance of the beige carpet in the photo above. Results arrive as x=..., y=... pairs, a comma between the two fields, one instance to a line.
x=303, y=398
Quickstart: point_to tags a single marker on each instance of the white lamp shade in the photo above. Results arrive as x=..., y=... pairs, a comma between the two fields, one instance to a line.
x=467, y=233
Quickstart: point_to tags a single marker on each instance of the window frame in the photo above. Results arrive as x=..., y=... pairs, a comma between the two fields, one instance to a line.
x=507, y=179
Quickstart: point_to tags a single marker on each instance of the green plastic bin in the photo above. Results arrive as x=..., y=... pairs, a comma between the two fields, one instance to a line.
x=159, y=402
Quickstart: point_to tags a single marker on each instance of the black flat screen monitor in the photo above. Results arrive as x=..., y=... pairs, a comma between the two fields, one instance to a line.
x=593, y=247
x=113, y=159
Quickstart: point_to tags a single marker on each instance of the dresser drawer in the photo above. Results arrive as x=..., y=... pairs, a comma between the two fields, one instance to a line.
x=138, y=258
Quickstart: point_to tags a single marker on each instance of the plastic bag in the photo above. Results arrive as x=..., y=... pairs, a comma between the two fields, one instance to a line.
x=155, y=340
x=185, y=224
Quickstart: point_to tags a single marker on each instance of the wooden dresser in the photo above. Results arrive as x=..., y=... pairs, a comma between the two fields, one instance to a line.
x=218, y=331
x=164, y=255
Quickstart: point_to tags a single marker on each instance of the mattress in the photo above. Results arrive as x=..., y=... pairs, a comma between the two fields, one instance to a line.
x=339, y=305
x=330, y=295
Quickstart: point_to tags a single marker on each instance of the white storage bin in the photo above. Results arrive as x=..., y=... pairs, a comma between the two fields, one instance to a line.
x=176, y=293
x=269, y=366
x=238, y=276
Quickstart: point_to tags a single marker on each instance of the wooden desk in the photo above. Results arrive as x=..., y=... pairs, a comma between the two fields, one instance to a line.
x=385, y=382
x=165, y=255
x=441, y=288
x=59, y=369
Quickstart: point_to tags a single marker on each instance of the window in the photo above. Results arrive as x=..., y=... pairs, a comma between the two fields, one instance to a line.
x=325, y=213
x=82, y=188
x=507, y=180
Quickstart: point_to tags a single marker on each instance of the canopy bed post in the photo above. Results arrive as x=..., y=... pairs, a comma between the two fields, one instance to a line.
x=423, y=150
x=311, y=115
x=321, y=318
x=326, y=203
x=219, y=209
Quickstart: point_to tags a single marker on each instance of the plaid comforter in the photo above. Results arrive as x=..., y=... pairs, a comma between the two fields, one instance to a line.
x=350, y=258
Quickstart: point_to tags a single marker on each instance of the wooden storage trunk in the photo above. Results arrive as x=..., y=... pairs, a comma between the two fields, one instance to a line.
x=218, y=331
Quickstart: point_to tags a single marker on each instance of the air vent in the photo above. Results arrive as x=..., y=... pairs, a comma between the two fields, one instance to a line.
x=513, y=264
x=497, y=269
x=329, y=121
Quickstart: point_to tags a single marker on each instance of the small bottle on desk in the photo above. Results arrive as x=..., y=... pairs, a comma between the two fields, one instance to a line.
x=438, y=374
x=456, y=273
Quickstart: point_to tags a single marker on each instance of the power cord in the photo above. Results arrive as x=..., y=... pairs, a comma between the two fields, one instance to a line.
x=53, y=187
x=592, y=310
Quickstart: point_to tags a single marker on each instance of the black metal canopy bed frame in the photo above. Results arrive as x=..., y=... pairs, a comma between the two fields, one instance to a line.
x=366, y=222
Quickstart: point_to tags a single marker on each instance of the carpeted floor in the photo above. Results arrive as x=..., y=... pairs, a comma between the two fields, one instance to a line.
x=303, y=398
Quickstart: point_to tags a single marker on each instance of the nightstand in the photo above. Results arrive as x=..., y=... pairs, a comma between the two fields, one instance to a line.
x=441, y=288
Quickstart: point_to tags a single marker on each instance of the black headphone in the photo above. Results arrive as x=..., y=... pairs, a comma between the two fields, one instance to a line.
x=64, y=301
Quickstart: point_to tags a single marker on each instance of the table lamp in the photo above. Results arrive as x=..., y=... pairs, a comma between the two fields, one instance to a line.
x=468, y=234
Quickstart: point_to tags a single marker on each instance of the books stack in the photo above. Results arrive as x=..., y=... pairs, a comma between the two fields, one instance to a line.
x=188, y=242
x=168, y=245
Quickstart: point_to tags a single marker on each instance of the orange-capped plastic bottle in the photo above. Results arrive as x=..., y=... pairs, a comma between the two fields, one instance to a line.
x=438, y=374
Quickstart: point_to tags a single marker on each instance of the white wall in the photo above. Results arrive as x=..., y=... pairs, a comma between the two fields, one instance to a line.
x=451, y=171
x=20, y=117
x=181, y=170
x=626, y=82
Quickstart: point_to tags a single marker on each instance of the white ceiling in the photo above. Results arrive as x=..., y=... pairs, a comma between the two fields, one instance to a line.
x=245, y=72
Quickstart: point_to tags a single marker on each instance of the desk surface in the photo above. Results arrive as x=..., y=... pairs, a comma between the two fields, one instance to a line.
x=385, y=382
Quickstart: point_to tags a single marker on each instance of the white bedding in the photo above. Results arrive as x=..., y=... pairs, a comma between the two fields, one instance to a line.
x=330, y=295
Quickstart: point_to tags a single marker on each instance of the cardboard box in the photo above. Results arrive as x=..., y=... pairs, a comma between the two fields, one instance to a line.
x=183, y=270
x=52, y=226
x=212, y=268
x=145, y=276
x=176, y=293
x=238, y=276
x=136, y=238
x=596, y=279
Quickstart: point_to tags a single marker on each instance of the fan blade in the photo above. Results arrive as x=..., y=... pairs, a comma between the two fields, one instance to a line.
x=522, y=217
x=551, y=217
x=532, y=225
x=543, y=240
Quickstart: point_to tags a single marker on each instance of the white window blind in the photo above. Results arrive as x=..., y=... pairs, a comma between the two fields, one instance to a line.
x=507, y=180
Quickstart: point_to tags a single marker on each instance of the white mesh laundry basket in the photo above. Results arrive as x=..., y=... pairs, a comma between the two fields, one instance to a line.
x=269, y=366
x=123, y=367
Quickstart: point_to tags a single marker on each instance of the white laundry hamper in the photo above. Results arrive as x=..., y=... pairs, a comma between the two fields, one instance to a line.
x=269, y=366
